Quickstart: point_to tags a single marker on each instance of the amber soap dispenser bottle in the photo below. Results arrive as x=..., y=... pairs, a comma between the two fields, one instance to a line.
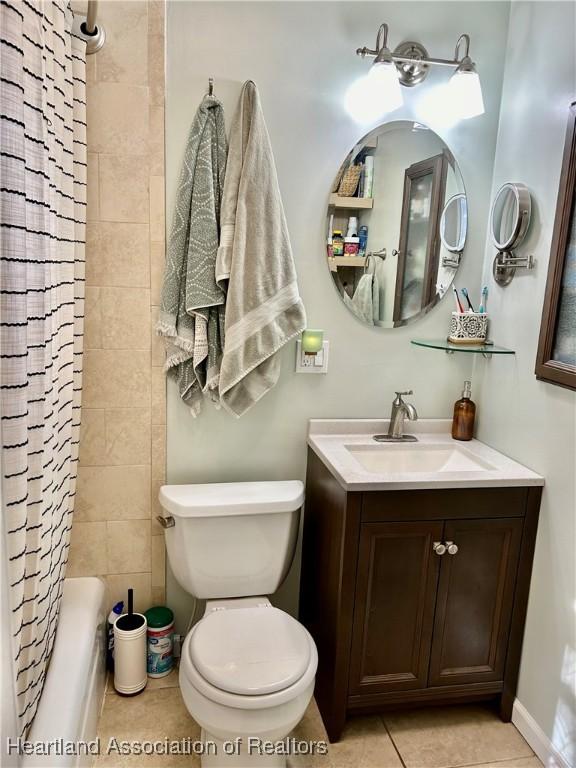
x=464, y=415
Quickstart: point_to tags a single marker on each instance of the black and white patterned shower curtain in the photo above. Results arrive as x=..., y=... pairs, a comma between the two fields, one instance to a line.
x=42, y=233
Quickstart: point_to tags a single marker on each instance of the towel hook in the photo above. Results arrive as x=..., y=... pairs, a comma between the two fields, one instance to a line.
x=210, y=86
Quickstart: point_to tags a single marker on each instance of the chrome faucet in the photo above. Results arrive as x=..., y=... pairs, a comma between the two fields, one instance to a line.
x=400, y=410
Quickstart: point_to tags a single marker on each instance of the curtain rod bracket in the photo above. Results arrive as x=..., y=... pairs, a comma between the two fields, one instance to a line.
x=86, y=28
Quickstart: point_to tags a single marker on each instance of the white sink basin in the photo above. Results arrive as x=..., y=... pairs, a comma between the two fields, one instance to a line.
x=347, y=447
x=414, y=458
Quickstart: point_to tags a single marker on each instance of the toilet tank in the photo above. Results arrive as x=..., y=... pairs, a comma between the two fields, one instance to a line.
x=232, y=539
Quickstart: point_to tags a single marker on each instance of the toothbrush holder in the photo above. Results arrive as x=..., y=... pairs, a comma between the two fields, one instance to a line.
x=468, y=328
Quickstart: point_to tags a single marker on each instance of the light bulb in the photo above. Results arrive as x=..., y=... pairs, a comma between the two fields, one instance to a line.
x=375, y=94
x=466, y=93
x=383, y=79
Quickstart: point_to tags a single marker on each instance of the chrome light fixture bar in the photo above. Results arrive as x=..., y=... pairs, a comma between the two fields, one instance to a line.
x=413, y=63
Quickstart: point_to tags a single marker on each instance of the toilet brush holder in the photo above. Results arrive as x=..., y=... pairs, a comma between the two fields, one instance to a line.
x=130, y=674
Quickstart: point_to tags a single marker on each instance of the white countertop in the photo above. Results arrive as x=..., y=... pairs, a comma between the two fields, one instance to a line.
x=330, y=439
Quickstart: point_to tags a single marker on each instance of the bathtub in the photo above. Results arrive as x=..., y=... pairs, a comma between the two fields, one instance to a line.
x=74, y=688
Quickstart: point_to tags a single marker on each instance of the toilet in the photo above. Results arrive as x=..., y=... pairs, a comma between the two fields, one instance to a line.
x=247, y=669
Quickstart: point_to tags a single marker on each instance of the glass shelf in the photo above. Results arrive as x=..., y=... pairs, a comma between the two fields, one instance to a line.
x=486, y=350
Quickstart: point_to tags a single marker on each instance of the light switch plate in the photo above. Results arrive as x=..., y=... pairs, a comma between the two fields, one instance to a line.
x=317, y=363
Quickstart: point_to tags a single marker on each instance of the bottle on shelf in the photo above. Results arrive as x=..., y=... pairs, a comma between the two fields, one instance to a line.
x=464, y=415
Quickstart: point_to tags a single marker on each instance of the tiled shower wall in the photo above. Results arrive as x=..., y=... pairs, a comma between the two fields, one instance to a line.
x=122, y=441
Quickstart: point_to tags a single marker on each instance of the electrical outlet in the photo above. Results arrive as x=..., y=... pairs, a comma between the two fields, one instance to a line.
x=317, y=363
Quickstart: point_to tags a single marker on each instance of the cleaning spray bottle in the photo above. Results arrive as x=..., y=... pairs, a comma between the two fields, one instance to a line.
x=112, y=616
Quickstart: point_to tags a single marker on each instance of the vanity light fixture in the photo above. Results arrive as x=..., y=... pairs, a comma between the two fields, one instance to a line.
x=379, y=91
x=464, y=85
x=412, y=64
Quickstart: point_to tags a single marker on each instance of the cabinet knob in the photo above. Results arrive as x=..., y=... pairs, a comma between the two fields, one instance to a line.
x=451, y=547
x=439, y=548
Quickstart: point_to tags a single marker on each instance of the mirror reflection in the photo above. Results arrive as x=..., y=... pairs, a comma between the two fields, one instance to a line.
x=396, y=225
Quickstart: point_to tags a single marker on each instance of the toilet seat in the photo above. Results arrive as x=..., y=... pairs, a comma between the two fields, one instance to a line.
x=250, y=651
x=261, y=700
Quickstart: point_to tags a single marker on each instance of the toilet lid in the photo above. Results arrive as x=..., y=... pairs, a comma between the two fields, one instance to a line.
x=250, y=651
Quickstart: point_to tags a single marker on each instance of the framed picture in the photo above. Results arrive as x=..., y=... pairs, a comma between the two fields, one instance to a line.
x=556, y=358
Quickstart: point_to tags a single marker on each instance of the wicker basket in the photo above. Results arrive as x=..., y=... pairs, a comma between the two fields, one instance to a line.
x=349, y=181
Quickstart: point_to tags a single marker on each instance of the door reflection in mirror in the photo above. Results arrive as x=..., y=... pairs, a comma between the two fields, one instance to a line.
x=387, y=256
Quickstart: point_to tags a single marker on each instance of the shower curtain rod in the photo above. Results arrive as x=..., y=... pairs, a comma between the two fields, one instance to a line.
x=91, y=17
x=89, y=30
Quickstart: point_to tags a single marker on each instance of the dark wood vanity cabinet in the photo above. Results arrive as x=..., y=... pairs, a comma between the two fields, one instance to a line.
x=396, y=621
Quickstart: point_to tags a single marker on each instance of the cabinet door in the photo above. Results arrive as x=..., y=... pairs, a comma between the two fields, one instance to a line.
x=474, y=605
x=394, y=611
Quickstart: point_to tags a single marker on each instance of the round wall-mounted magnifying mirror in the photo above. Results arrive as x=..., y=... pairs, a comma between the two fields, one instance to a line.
x=509, y=222
x=454, y=224
x=510, y=216
x=397, y=215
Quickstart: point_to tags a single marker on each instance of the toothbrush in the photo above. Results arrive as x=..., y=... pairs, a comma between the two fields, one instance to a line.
x=482, y=307
x=459, y=307
x=465, y=294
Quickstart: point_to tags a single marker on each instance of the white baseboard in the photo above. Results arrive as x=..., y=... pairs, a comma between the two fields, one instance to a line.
x=536, y=738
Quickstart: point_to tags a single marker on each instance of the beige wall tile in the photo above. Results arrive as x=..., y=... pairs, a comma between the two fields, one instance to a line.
x=87, y=550
x=158, y=472
x=127, y=436
x=91, y=69
x=157, y=227
x=159, y=598
x=158, y=561
x=116, y=379
x=117, y=254
x=156, y=76
x=112, y=493
x=92, y=193
x=125, y=173
x=156, y=140
x=117, y=119
x=118, y=585
x=157, y=262
x=92, y=437
x=92, y=319
x=158, y=396
x=125, y=317
x=123, y=192
x=158, y=349
x=124, y=58
x=156, y=13
x=128, y=546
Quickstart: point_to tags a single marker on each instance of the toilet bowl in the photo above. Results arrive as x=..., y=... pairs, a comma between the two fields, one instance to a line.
x=247, y=669
x=247, y=675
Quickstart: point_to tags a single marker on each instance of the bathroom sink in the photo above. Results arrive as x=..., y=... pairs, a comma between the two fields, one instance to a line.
x=347, y=447
x=414, y=458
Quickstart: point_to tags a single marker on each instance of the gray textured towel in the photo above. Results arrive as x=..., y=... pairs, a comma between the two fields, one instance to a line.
x=191, y=318
x=263, y=307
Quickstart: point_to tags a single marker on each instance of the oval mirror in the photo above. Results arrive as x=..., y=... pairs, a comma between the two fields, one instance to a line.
x=397, y=214
x=510, y=216
x=454, y=224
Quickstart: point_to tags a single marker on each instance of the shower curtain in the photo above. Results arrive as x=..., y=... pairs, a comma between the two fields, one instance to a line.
x=42, y=232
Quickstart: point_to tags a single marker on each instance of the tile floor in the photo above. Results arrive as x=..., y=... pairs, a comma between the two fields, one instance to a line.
x=429, y=738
